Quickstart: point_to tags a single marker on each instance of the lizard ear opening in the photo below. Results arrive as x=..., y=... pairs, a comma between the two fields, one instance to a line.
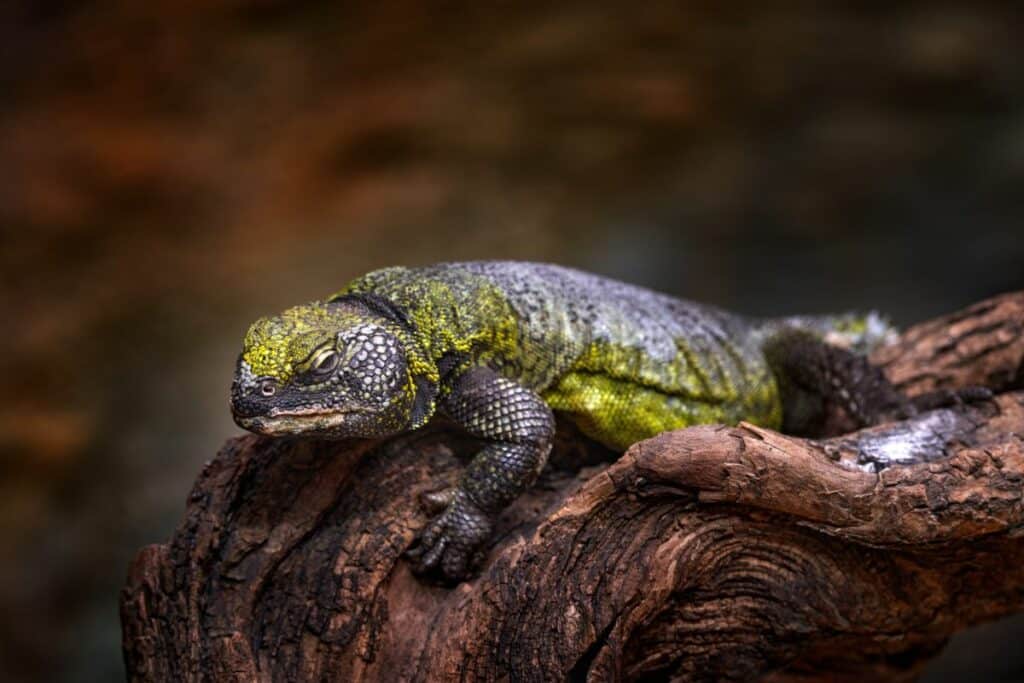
x=423, y=402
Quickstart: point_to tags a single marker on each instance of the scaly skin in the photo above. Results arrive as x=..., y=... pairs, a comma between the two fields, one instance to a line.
x=498, y=346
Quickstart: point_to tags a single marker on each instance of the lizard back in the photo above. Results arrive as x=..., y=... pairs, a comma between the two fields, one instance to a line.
x=623, y=361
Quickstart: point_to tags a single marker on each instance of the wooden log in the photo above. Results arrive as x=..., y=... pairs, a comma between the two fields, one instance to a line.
x=711, y=553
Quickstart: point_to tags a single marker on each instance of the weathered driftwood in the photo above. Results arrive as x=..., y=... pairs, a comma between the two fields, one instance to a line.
x=707, y=553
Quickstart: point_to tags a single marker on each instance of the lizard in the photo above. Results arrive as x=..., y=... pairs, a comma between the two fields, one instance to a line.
x=500, y=346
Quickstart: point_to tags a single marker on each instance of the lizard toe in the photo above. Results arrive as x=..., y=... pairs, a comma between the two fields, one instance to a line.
x=455, y=563
x=432, y=556
x=450, y=541
x=952, y=398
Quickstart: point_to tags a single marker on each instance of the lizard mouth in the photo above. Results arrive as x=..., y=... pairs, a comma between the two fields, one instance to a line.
x=297, y=422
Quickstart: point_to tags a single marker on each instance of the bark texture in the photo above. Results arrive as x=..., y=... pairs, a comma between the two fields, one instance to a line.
x=725, y=553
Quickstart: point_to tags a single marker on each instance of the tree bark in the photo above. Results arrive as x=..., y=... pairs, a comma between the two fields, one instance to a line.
x=719, y=553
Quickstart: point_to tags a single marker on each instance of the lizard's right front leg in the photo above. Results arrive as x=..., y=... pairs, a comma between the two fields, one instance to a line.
x=519, y=427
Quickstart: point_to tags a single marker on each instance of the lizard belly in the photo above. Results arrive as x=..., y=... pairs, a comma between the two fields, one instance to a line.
x=619, y=409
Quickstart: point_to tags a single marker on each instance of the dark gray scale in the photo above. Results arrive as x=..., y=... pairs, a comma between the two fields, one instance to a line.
x=685, y=348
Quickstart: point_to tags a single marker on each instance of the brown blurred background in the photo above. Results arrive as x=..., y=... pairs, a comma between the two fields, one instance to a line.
x=172, y=170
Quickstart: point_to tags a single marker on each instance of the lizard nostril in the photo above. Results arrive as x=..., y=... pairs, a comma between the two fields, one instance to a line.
x=268, y=388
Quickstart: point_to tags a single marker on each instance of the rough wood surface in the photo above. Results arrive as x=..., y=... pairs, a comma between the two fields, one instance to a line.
x=707, y=553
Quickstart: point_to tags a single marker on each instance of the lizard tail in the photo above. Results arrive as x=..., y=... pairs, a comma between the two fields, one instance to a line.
x=858, y=332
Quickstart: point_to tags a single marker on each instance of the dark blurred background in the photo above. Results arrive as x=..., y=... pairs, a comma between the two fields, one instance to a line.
x=172, y=170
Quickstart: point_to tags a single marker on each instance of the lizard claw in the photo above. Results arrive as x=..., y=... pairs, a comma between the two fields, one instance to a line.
x=452, y=542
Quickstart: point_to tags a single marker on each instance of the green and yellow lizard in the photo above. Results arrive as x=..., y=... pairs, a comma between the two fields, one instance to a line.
x=498, y=346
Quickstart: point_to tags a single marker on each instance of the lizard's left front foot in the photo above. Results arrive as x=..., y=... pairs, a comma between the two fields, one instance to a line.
x=451, y=542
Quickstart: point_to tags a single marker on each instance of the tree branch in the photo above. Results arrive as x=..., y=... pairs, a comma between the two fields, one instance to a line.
x=706, y=553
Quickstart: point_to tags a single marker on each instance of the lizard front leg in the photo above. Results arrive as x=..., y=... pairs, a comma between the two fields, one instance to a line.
x=518, y=426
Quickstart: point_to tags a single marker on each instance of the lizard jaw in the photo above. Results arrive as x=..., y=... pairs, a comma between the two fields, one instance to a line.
x=297, y=423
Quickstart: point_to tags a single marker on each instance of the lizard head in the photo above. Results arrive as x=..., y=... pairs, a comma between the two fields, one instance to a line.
x=337, y=369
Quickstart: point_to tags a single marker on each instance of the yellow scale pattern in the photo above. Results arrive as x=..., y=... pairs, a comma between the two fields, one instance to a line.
x=614, y=401
x=276, y=346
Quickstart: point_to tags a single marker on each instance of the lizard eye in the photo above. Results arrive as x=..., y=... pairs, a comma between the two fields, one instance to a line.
x=324, y=362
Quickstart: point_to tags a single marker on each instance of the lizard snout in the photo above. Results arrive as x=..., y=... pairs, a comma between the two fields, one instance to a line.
x=251, y=396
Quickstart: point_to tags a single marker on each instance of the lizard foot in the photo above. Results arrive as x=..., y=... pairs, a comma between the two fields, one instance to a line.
x=451, y=543
x=950, y=398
